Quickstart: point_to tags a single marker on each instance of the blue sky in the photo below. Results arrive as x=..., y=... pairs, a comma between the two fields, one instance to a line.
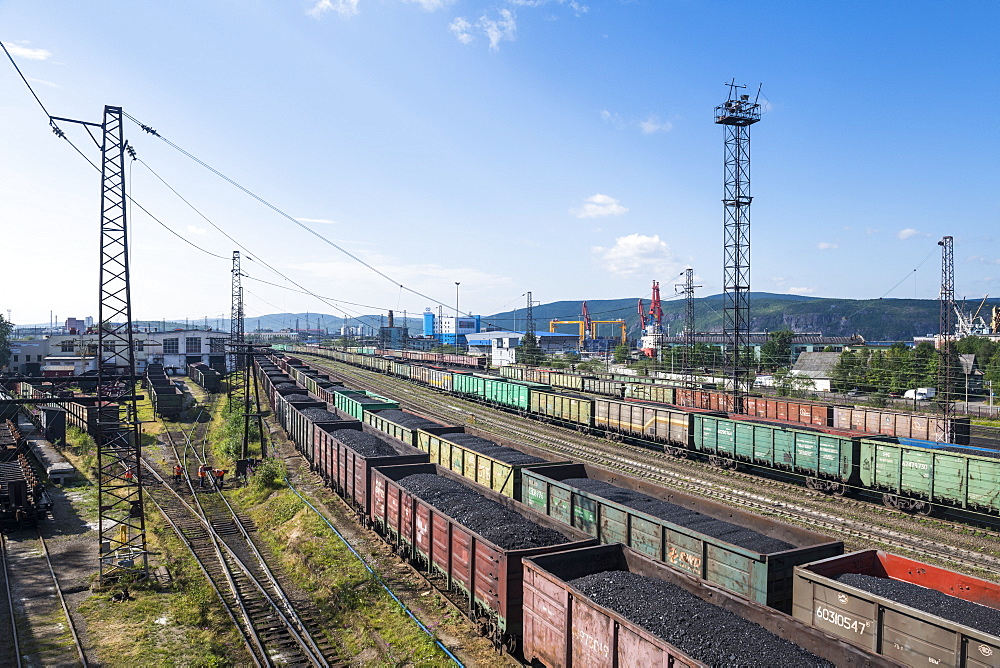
x=565, y=148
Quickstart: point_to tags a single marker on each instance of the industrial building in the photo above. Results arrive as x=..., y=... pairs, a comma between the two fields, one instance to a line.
x=500, y=345
x=453, y=330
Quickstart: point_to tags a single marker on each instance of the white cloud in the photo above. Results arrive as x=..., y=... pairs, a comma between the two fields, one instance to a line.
x=871, y=230
x=825, y=245
x=577, y=8
x=431, y=5
x=638, y=254
x=324, y=221
x=801, y=291
x=460, y=28
x=342, y=7
x=984, y=260
x=779, y=280
x=502, y=29
x=599, y=205
x=27, y=53
x=907, y=233
x=192, y=229
x=43, y=82
x=612, y=119
x=653, y=124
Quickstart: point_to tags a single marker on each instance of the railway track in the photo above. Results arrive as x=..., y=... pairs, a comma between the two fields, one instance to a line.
x=861, y=521
x=221, y=540
x=33, y=599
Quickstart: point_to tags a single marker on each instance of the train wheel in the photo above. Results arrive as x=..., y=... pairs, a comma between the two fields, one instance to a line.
x=890, y=500
x=839, y=490
x=510, y=644
x=924, y=508
x=812, y=483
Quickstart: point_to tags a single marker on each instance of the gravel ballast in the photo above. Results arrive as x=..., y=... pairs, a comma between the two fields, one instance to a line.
x=698, y=628
x=495, y=450
x=973, y=615
x=691, y=519
x=494, y=522
x=365, y=444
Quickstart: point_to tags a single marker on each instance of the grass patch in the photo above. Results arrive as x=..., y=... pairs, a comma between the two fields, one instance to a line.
x=181, y=624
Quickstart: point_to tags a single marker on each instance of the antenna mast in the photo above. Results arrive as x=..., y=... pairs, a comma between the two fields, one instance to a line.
x=121, y=520
x=737, y=114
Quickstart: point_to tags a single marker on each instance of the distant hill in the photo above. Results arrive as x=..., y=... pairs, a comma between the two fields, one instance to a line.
x=874, y=319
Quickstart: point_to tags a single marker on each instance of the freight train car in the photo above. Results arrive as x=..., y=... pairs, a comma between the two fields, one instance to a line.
x=611, y=606
x=206, y=377
x=480, y=554
x=23, y=499
x=750, y=555
x=914, y=613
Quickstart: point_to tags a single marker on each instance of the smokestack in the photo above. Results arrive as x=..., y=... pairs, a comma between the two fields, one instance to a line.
x=390, y=319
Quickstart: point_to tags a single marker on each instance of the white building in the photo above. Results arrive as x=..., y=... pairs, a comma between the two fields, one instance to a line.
x=500, y=345
x=175, y=350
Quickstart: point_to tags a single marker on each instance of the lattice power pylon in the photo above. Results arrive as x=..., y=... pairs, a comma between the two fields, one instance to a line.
x=121, y=523
x=529, y=316
x=737, y=114
x=946, y=325
x=236, y=357
x=687, y=289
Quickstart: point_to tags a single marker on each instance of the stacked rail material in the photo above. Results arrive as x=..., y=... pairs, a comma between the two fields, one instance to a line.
x=22, y=496
x=611, y=606
x=915, y=474
x=903, y=425
x=206, y=376
x=494, y=465
x=912, y=612
x=84, y=417
x=750, y=555
x=345, y=457
x=167, y=398
x=408, y=507
x=404, y=426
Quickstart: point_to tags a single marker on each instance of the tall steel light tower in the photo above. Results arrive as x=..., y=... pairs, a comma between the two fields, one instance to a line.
x=236, y=358
x=946, y=326
x=737, y=114
x=121, y=522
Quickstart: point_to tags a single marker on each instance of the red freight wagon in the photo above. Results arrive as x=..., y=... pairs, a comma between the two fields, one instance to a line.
x=490, y=577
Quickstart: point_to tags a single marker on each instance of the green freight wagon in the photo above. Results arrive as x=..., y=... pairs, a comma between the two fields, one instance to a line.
x=469, y=384
x=650, y=392
x=404, y=426
x=498, y=468
x=759, y=576
x=828, y=460
x=914, y=474
x=356, y=402
x=577, y=411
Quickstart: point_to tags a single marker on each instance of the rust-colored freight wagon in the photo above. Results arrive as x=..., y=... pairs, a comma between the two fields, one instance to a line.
x=565, y=627
x=883, y=623
x=819, y=415
x=903, y=425
x=489, y=576
x=347, y=471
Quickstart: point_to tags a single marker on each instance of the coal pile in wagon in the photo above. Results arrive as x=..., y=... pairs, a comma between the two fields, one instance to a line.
x=979, y=452
x=365, y=399
x=691, y=519
x=286, y=386
x=365, y=444
x=706, y=632
x=408, y=420
x=298, y=398
x=494, y=522
x=495, y=450
x=320, y=415
x=973, y=615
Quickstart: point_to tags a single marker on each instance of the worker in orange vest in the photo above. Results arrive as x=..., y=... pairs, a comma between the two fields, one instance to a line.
x=128, y=474
x=220, y=478
x=202, y=474
x=178, y=472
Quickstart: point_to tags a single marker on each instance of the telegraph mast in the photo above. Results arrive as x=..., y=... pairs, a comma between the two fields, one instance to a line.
x=687, y=289
x=946, y=327
x=737, y=114
x=236, y=352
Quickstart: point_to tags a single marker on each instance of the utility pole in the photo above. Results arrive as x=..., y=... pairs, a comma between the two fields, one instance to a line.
x=236, y=337
x=687, y=289
x=945, y=327
x=737, y=114
x=121, y=520
x=529, y=325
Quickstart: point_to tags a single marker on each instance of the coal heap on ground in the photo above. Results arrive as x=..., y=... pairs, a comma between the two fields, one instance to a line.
x=970, y=614
x=691, y=519
x=491, y=520
x=698, y=628
x=365, y=444
x=495, y=450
